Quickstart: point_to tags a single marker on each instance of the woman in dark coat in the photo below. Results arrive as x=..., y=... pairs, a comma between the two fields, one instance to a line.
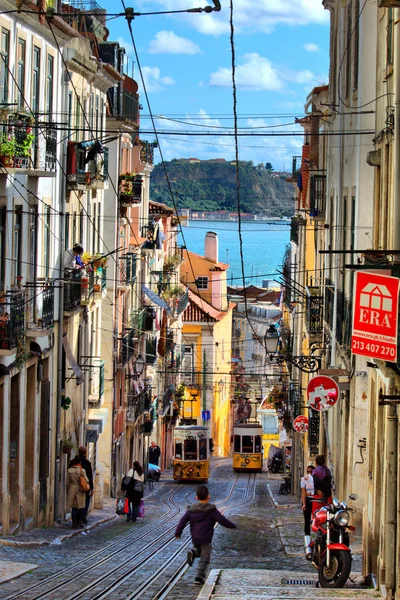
x=134, y=496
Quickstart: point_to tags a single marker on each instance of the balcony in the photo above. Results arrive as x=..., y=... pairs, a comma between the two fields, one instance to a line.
x=294, y=230
x=146, y=151
x=343, y=316
x=296, y=169
x=127, y=269
x=314, y=310
x=87, y=165
x=28, y=149
x=96, y=368
x=317, y=196
x=72, y=289
x=126, y=346
x=313, y=432
x=151, y=350
x=130, y=189
x=39, y=307
x=137, y=321
x=12, y=321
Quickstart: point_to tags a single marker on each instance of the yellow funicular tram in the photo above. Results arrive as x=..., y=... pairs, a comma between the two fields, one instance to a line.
x=247, y=447
x=191, y=453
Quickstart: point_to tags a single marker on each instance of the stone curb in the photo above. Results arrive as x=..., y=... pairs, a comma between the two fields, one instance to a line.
x=57, y=540
x=289, y=550
x=278, y=504
x=209, y=586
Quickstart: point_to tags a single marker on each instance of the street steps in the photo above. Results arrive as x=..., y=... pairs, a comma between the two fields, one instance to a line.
x=253, y=584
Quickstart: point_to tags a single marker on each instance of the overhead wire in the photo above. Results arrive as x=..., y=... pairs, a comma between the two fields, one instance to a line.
x=162, y=159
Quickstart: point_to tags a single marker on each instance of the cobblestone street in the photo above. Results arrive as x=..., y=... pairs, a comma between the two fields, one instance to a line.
x=269, y=536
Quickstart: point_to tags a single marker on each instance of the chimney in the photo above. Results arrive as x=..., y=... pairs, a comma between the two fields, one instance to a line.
x=211, y=247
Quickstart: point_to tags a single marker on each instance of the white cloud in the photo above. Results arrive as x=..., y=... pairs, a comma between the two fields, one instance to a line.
x=153, y=79
x=263, y=15
x=311, y=47
x=167, y=42
x=256, y=73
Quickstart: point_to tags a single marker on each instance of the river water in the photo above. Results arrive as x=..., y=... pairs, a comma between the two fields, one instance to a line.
x=263, y=247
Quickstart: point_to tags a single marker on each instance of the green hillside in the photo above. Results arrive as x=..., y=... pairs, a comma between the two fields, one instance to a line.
x=211, y=186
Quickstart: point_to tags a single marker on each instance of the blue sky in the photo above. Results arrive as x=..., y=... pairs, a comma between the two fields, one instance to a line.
x=282, y=51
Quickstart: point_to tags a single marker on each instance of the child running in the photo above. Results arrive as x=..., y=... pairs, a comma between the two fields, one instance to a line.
x=202, y=518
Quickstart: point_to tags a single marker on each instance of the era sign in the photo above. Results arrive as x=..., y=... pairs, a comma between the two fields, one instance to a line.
x=375, y=314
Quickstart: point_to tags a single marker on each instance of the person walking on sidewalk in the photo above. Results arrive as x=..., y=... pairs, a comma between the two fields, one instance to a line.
x=154, y=454
x=322, y=479
x=87, y=465
x=202, y=518
x=307, y=491
x=76, y=497
x=134, y=491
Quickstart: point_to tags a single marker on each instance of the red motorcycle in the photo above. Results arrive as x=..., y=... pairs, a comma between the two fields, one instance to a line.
x=329, y=551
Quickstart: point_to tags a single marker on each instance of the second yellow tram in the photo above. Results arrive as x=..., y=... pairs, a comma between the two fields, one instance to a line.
x=191, y=453
x=247, y=447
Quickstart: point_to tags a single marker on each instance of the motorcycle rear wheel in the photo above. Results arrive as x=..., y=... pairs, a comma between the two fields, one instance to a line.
x=338, y=573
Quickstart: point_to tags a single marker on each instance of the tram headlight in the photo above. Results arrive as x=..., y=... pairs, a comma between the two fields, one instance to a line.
x=342, y=518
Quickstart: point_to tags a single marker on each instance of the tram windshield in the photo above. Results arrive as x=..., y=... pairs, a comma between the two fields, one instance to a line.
x=202, y=449
x=257, y=445
x=247, y=443
x=236, y=447
x=190, y=448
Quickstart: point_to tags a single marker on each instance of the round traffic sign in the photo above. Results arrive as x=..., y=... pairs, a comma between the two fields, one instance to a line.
x=322, y=393
x=300, y=424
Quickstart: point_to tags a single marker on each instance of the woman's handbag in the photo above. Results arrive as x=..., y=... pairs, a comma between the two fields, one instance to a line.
x=120, y=508
x=138, y=486
x=125, y=483
x=141, y=510
x=83, y=484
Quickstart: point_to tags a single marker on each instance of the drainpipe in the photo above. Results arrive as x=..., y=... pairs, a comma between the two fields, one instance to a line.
x=391, y=496
x=340, y=198
x=57, y=470
x=396, y=169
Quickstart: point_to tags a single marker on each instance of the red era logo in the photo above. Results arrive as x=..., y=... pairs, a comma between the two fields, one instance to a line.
x=375, y=316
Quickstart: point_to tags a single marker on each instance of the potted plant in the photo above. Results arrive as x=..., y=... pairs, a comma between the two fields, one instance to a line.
x=7, y=150
x=67, y=446
x=24, y=147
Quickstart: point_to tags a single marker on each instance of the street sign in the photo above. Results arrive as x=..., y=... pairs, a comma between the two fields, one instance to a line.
x=322, y=393
x=375, y=316
x=205, y=415
x=300, y=424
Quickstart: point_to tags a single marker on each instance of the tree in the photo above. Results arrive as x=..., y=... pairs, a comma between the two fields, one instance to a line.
x=269, y=167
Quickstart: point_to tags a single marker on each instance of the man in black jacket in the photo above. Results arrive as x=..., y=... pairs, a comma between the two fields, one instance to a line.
x=85, y=464
x=154, y=454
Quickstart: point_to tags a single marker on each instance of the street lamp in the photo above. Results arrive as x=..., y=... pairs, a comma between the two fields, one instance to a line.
x=307, y=364
x=139, y=365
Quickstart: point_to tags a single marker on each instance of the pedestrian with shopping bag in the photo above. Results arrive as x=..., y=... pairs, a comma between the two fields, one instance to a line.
x=133, y=486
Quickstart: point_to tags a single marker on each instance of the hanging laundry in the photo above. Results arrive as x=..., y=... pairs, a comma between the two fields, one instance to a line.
x=163, y=335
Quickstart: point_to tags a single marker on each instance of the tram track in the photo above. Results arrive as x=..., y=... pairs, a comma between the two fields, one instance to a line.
x=154, y=549
x=152, y=579
x=115, y=548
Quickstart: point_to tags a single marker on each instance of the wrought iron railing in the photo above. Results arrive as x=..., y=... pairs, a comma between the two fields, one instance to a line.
x=39, y=304
x=294, y=230
x=87, y=164
x=314, y=310
x=12, y=319
x=317, y=195
x=151, y=350
x=147, y=152
x=127, y=269
x=296, y=166
x=29, y=146
x=130, y=189
x=343, y=313
x=126, y=346
x=72, y=289
x=313, y=432
x=96, y=378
